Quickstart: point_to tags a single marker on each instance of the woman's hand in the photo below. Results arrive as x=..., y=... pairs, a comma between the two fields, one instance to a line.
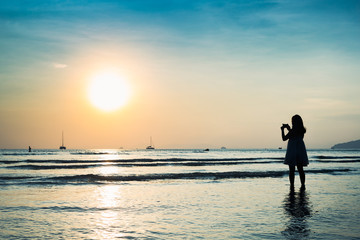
x=287, y=126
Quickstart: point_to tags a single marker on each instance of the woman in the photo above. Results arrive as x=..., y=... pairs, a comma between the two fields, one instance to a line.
x=296, y=151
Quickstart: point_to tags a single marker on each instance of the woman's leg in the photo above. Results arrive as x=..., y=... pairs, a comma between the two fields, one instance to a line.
x=301, y=174
x=291, y=175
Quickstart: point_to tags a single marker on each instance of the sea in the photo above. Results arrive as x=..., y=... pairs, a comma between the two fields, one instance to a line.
x=177, y=194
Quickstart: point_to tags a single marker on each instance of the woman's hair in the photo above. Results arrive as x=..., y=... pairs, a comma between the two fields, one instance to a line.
x=298, y=125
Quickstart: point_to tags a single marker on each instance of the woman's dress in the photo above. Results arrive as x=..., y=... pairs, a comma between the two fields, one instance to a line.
x=296, y=152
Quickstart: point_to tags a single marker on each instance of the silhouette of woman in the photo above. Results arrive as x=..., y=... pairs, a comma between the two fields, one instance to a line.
x=296, y=151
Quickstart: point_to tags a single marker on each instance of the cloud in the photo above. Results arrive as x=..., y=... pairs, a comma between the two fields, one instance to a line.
x=323, y=103
x=59, y=65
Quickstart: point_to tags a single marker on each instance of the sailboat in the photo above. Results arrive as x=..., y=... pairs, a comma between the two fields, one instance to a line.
x=62, y=147
x=150, y=147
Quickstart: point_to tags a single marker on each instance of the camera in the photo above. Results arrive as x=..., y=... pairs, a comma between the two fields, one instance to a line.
x=285, y=125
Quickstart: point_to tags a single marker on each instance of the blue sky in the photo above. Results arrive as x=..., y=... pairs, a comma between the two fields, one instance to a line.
x=296, y=56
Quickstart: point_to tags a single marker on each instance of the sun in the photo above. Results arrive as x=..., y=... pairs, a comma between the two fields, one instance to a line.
x=108, y=91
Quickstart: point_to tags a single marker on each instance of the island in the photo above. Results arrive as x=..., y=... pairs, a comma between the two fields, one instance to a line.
x=348, y=145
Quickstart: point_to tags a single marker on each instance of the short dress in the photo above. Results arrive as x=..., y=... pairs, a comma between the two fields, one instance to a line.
x=296, y=152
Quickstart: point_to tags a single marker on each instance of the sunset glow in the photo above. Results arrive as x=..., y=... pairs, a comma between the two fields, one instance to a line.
x=108, y=91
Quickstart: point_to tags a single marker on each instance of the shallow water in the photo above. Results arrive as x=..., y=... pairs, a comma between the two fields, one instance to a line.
x=249, y=198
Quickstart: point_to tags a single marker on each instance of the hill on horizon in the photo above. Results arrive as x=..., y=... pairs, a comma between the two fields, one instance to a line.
x=348, y=145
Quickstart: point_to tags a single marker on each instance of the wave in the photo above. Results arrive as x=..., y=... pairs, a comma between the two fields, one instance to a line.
x=10, y=161
x=83, y=164
x=335, y=157
x=193, y=161
x=339, y=161
x=95, y=178
x=61, y=208
x=91, y=153
x=194, y=175
x=52, y=167
x=138, y=160
x=187, y=164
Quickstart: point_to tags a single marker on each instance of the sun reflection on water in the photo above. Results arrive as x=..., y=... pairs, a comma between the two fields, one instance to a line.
x=109, y=170
x=108, y=203
x=109, y=196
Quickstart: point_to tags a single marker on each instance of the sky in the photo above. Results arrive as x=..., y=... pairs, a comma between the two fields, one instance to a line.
x=200, y=74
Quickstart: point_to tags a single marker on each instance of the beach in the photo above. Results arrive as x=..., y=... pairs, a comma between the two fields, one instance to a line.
x=177, y=194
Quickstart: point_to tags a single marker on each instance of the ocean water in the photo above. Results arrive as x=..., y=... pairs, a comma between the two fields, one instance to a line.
x=177, y=194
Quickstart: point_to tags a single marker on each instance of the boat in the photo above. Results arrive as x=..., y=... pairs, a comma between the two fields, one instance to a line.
x=150, y=147
x=62, y=147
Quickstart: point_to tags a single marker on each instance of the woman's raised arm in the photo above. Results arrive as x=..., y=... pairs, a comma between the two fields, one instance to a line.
x=283, y=135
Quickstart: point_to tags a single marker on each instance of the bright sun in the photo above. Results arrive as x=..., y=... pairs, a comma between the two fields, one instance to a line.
x=108, y=91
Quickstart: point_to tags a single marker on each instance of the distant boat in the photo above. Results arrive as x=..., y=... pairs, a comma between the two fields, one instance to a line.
x=62, y=147
x=150, y=147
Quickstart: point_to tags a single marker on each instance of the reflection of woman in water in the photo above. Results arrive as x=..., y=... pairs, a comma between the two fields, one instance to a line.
x=296, y=152
x=297, y=210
